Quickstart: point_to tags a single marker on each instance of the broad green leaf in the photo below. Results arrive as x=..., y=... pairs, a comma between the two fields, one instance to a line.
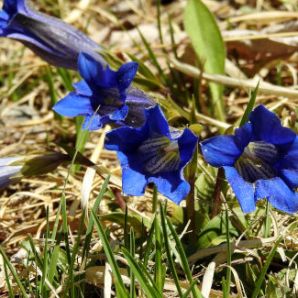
x=208, y=44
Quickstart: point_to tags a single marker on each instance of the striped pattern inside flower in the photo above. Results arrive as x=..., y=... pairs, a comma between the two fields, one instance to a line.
x=256, y=161
x=160, y=155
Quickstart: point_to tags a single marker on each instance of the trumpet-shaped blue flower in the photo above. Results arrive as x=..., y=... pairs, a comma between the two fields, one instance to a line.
x=155, y=154
x=50, y=38
x=260, y=161
x=105, y=96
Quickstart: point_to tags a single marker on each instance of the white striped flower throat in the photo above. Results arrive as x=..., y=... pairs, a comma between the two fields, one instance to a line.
x=256, y=161
x=160, y=155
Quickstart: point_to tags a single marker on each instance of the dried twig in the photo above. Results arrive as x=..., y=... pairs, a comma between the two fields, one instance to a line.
x=264, y=87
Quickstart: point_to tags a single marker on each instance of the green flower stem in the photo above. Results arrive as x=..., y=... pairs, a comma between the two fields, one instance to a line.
x=191, y=170
x=217, y=191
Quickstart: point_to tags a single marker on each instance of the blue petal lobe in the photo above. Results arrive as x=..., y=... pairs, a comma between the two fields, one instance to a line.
x=126, y=74
x=288, y=165
x=82, y=88
x=171, y=185
x=124, y=139
x=243, y=135
x=133, y=182
x=93, y=122
x=119, y=114
x=138, y=102
x=73, y=105
x=290, y=159
x=90, y=69
x=243, y=190
x=290, y=176
x=187, y=144
x=220, y=151
x=156, y=121
x=278, y=194
x=267, y=127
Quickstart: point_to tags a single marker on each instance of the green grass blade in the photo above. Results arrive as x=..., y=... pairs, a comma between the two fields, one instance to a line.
x=158, y=274
x=132, y=250
x=38, y=260
x=45, y=257
x=184, y=262
x=190, y=289
x=66, y=78
x=13, y=272
x=227, y=283
x=168, y=251
x=56, y=224
x=75, y=253
x=152, y=56
x=208, y=44
x=53, y=263
x=148, y=246
x=52, y=89
x=10, y=291
x=261, y=278
x=250, y=105
x=142, y=276
x=91, y=221
x=110, y=256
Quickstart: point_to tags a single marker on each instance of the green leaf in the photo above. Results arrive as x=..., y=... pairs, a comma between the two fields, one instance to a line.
x=169, y=252
x=250, y=105
x=183, y=260
x=13, y=272
x=141, y=275
x=262, y=276
x=208, y=44
x=121, y=291
x=133, y=220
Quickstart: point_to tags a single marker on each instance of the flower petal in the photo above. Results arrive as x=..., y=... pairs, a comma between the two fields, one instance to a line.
x=73, y=105
x=156, y=121
x=290, y=177
x=290, y=159
x=220, y=151
x=243, y=135
x=14, y=6
x=119, y=114
x=7, y=174
x=278, y=194
x=6, y=161
x=133, y=182
x=187, y=144
x=267, y=127
x=124, y=139
x=90, y=70
x=138, y=102
x=93, y=122
x=171, y=185
x=243, y=190
x=82, y=88
x=126, y=74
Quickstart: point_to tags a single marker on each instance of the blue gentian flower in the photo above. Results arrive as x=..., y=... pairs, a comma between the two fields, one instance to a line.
x=260, y=161
x=50, y=38
x=155, y=154
x=9, y=171
x=105, y=96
